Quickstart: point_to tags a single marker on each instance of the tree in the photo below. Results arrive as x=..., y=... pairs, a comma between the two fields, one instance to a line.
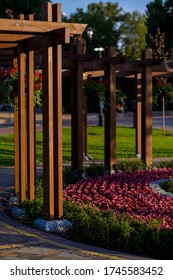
x=162, y=90
x=113, y=27
x=12, y=9
x=104, y=18
x=159, y=14
x=133, y=34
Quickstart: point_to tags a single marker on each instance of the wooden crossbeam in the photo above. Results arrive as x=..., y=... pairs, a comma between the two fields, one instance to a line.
x=59, y=36
x=93, y=74
x=34, y=27
x=7, y=45
x=9, y=38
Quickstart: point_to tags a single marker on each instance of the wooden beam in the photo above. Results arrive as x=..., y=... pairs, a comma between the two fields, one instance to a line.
x=85, y=127
x=77, y=113
x=10, y=37
x=130, y=67
x=16, y=134
x=57, y=117
x=93, y=74
x=48, y=146
x=138, y=113
x=33, y=27
x=30, y=125
x=147, y=109
x=68, y=63
x=59, y=36
x=7, y=52
x=16, y=124
x=110, y=114
x=5, y=46
x=22, y=126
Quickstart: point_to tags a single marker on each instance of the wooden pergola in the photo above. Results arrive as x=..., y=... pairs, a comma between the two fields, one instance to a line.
x=20, y=40
x=25, y=37
x=143, y=70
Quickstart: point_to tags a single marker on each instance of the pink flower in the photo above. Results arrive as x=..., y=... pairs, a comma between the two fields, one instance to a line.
x=126, y=193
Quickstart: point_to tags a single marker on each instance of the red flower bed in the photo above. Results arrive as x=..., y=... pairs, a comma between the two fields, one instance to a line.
x=126, y=193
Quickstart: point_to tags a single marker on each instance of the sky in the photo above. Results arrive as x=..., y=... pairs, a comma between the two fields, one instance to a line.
x=69, y=6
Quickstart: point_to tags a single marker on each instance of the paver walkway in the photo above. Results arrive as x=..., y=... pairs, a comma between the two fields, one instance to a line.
x=18, y=242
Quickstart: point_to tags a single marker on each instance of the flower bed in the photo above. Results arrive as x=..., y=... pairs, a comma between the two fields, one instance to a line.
x=126, y=193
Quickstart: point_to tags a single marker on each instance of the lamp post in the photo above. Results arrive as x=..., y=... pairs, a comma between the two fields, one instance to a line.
x=90, y=32
x=99, y=50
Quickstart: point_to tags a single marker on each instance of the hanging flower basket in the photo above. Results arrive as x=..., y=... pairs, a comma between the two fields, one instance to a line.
x=162, y=89
x=120, y=98
x=95, y=88
x=9, y=86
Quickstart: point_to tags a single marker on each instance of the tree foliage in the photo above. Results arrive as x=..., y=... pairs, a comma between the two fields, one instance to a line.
x=159, y=14
x=12, y=9
x=104, y=18
x=133, y=34
x=113, y=27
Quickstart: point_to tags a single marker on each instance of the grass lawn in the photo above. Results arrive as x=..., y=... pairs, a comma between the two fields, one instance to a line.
x=162, y=144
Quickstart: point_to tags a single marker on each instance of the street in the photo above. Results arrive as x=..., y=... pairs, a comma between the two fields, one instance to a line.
x=122, y=119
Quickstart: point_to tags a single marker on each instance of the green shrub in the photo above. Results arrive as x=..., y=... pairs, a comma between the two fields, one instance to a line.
x=129, y=165
x=95, y=170
x=71, y=175
x=95, y=227
x=165, y=244
x=34, y=208
x=167, y=186
x=165, y=164
x=125, y=234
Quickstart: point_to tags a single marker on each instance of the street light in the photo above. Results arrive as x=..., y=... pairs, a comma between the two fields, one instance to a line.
x=90, y=32
x=100, y=50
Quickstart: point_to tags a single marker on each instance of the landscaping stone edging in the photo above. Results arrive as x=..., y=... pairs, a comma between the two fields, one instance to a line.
x=55, y=226
x=155, y=186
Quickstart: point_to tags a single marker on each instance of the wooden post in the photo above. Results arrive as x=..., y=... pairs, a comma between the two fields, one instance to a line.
x=147, y=109
x=85, y=130
x=57, y=116
x=138, y=114
x=110, y=114
x=16, y=127
x=48, y=145
x=30, y=123
x=16, y=133
x=22, y=126
x=77, y=113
